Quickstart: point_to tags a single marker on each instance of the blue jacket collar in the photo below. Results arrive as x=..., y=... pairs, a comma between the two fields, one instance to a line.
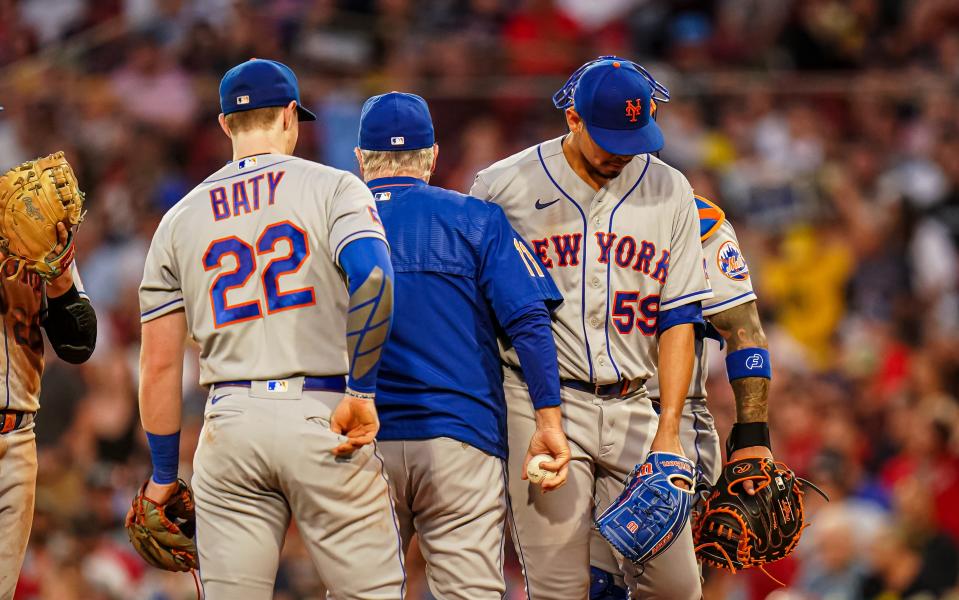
x=385, y=182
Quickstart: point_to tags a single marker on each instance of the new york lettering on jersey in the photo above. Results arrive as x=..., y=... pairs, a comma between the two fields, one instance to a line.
x=616, y=250
x=245, y=249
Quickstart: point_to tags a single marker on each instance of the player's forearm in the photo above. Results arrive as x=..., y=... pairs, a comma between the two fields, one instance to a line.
x=676, y=354
x=531, y=335
x=369, y=273
x=161, y=373
x=161, y=391
x=741, y=328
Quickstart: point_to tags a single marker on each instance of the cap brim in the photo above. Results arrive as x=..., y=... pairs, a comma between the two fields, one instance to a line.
x=628, y=142
x=304, y=114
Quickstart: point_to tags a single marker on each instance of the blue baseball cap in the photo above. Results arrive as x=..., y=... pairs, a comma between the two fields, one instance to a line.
x=259, y=83
x=394, y=122
x=615, y=101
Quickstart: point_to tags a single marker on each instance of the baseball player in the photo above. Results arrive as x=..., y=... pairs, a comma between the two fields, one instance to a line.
x=734, y=318
x=617, y=229
x=462, y=273
x=63, y=310
x=251, y=265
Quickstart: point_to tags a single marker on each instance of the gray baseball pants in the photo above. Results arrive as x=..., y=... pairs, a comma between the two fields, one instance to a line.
x=265, y=458
x=453, y=496
x=552, y=532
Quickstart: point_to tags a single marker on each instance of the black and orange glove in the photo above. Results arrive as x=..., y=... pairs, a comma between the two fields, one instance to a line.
x=737, y=530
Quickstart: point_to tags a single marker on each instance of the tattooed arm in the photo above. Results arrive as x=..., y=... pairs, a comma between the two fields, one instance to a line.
x=742, y=330
x=740, y=327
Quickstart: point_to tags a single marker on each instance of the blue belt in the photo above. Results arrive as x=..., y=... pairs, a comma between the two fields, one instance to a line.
x=333, y=383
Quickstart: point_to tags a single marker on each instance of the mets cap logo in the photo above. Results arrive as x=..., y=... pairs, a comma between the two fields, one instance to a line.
x=633, y=111
x=731, y=262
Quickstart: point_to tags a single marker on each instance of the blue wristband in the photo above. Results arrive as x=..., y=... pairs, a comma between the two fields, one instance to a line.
x=165, y=453
x=748, y=362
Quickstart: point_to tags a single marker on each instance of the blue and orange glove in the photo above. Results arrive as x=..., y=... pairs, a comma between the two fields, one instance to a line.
x=652, y=511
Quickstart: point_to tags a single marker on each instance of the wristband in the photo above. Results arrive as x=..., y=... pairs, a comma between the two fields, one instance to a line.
x=361, y=395
x=744, y=435
x=748, y=362
x=165, y=454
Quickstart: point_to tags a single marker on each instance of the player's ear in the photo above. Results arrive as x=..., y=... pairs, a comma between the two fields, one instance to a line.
x=225, y=126
x=359, y=160
x=436, y=155
x=289, y=116
x=573, y=120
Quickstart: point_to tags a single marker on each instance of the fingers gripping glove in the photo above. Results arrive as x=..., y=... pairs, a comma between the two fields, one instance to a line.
x=34, y=197
x=652, y=511
x=163, y=534
x=739, y=531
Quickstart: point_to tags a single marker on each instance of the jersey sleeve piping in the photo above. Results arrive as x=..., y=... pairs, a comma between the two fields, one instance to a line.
x=730, y=303
x=687, y=299
x=159, y=311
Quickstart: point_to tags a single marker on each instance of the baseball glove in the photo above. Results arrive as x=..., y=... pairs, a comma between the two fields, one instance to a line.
x=651, y=512
x=163, y=534
x=739, y=531
x=34, y=197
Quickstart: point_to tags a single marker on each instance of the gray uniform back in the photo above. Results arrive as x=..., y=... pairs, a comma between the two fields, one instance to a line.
x=251, y=255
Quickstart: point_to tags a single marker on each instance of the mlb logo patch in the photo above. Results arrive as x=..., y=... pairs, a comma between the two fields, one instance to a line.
x=277, y=385
x=397, y=140
x=380, y=196
x=242, y=99
x=247, y=162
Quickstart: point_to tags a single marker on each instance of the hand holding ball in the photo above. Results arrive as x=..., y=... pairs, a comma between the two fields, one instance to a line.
x=535, y=472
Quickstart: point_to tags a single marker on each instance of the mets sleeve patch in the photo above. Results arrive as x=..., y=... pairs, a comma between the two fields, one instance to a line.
x=731, y=262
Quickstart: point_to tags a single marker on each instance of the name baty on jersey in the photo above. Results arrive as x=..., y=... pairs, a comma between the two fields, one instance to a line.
x=242, y=197
x=624, y=252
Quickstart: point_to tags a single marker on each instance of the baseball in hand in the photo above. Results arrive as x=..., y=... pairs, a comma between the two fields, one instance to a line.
x=535, y=472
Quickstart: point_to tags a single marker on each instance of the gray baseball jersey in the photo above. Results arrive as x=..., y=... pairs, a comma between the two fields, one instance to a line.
x=251, y=255
x=619, y=256
x=729, y=278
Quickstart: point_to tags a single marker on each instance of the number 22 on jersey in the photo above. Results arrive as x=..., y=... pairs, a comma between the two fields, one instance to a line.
x=246, y=256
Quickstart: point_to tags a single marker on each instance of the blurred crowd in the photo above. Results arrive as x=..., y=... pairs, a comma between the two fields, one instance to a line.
x=828, y=130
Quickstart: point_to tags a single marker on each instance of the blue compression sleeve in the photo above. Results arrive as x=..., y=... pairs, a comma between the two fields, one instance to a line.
x=530, y=330
x=369, y=274
x=165, y=454
x=687, y=313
